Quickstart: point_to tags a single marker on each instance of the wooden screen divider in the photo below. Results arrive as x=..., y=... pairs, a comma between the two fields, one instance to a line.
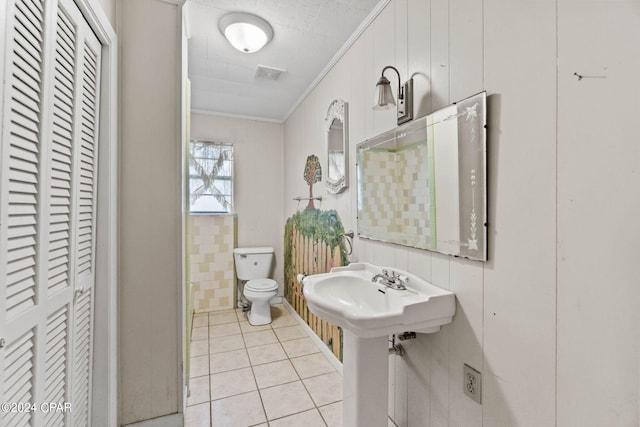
x=311, y=256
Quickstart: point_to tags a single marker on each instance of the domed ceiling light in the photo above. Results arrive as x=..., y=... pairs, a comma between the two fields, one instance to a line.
x=247, y=33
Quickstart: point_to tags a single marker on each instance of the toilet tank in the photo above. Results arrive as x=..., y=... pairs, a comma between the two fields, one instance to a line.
x=253, y=263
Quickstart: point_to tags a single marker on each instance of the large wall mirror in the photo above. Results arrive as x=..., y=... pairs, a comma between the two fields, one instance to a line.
x=423, y=184
x=337, y=134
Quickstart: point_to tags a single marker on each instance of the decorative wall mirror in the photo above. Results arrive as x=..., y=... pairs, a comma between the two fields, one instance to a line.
x=423, y=184
x=337, y=133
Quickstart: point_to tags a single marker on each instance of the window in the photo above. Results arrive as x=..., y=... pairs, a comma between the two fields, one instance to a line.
x=210, y=176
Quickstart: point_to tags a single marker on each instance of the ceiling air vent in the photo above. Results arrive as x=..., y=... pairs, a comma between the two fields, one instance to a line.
x=268, y=73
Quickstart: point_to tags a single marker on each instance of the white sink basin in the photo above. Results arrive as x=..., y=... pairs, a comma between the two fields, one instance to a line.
x=368, y=313
x=348, y=298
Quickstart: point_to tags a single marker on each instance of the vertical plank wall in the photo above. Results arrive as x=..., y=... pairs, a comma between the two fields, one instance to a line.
x=556, y=298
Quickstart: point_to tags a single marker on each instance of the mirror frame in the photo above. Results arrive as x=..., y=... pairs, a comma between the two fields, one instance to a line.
x=338, y=110
x=469, y=239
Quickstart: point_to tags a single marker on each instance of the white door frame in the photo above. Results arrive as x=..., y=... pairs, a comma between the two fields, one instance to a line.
x=104, y=410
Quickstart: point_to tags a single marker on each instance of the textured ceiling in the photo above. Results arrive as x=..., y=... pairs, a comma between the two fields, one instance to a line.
x=307, y=34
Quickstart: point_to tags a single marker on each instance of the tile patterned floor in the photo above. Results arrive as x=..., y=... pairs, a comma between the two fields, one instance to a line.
x=272, y=375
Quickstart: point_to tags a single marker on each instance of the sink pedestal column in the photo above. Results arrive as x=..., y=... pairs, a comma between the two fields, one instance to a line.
x=365, y=379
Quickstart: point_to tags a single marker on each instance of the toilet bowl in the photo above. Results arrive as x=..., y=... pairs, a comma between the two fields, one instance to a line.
x=253, y=266
x=260, y=292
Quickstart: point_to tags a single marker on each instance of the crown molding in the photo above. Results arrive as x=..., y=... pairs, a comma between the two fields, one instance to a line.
x=237, y=116
x=345, y=47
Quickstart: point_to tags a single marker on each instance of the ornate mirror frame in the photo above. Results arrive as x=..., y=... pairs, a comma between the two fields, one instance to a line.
x=430, y=177
x=337, y=146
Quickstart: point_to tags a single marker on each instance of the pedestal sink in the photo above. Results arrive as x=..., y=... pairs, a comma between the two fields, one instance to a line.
x=368, y=312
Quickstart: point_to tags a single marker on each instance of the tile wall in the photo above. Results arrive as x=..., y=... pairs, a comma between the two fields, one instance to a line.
x=212, y=239
x=407, y=220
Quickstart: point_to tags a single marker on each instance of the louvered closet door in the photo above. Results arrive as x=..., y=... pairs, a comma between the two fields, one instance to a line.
x=86, y=142
x=47, y=213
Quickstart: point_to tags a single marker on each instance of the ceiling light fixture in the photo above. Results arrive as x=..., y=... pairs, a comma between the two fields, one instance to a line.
x=384, y=96
x=247, y=33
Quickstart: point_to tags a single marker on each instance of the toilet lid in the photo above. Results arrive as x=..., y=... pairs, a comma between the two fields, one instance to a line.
x=261, y=285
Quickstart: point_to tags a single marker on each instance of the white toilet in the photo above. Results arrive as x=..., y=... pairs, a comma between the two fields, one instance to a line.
x=252, y=267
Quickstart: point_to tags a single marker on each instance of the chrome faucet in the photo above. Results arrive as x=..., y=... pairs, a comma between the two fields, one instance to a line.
x=391, y=280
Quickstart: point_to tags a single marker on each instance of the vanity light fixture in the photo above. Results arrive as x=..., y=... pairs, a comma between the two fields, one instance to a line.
x=384, y=96
x=247, y=33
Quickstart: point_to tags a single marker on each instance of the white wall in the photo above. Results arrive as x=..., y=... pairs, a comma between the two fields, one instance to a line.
x=150, y=275
x=258, y=179
x=551, y=319
x=598, y=210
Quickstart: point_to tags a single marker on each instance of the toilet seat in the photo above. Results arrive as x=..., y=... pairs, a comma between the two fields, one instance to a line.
x=261, y=285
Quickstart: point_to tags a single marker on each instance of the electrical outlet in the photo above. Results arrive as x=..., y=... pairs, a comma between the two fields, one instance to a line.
x=472, y=383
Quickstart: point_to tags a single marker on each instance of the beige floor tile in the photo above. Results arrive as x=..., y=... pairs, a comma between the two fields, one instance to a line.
x=198, y=415
x=300, y=347
x=226, y=343
x=199, y=388
x=312, y=365
x=200, y=333
x=310, y=418
x=241, y=410
x=253, y=339
x=199, y=348
x=200, y=320
x=220, y=317
x=278, y=310
x=332, y=414
x=243, y=316
x=243, y=358
x=288, y=333
x=266, y=354
x=223, y=330
x=275, y=373
x=199, y=366
x=228, y=361
x=231, y=383
x=247, y=327
x=325, y=389
x=283, y=321
x=285, y=399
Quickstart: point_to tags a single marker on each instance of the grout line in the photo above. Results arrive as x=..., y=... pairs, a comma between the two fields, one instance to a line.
x=316, y=340
x=300, y=412
x=211, y=340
